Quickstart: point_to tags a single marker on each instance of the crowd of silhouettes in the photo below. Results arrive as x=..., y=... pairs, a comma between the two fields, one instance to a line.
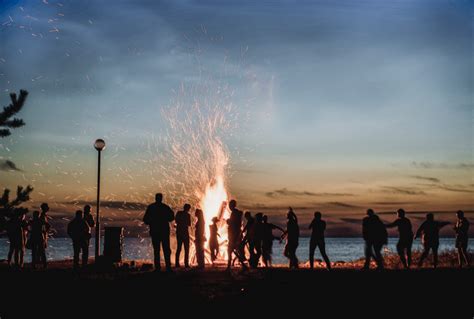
x=254, y=237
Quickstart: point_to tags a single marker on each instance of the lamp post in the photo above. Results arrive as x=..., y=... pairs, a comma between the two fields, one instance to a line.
x=99, y=145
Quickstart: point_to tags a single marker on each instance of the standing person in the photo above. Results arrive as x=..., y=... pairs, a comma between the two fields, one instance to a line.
x=79, y=230
x=199, y=238
x=46, y=228
x=213, y=240
x=38, y=253
x=158, y=217
x=183, y=222
x=429, y=232
x=89, y=219
x=462, y=237
x=375, y=236
x=16, y=231
x=258, y=234
x=267, y=243
x=249, y=231
x=292, y=238
x=235, y=234
x=318, y=226
x=405, y=240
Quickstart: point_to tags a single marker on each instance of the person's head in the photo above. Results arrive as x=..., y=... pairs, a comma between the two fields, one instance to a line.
x=215, y=220
x=248, y=215
x=199, y=214
x=370, y=212
x=186, y=207
x=460, y=214
x=87, y=209
x=291, y=213
x=259, y=217
x=79, y=214
x=44, y=207
x=265, y=218
x=232, y=204
x=401, y=213
x=36, y=214
x=158, y=197
x=430, y=216
x=317, y=215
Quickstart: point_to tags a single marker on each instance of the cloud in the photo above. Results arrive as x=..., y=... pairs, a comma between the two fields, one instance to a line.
x=341, y=204
x=396, y=203
x=437, y=165
x=287, y=192
x=351, y=220
x=113, y=204
x=403, y=190
x=460, y=189
x=8, y=165
x=426, y=178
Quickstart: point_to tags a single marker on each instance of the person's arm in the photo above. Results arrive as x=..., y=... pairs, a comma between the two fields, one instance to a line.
x=311, y=224
x=146, y=217
x=273, y=226
x=364, y=229
x=442, y=224
x=171, y=214
x=391, y=225
x=69, y=230
x=420, y=229
x=91, y=220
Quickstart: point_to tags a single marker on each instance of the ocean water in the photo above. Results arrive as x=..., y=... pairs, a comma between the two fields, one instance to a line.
x=338, y=249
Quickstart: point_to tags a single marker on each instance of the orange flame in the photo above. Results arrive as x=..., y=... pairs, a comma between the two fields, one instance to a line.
x=211, y=204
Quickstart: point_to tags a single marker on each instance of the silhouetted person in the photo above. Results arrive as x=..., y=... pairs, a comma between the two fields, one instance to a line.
x=292, y=238
x=91, y=223
x=267, y=243
x=235, y=234
x=199, y=238
x=38, y=253
x=46, y=227
x=78, y=229
x=318, y=226
x=213, y=239
x=405, y=240
x=375, y=236
x=249, y=231
x=16, y=231
x=183, y=222
x=158, y=217
x=429, y=232
x=258, y=235
x=462, y=237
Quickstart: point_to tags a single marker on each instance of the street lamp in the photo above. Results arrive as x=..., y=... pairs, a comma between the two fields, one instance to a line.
x=99, y=145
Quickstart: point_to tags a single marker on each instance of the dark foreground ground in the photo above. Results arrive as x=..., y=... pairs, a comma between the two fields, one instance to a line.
x=214, y=292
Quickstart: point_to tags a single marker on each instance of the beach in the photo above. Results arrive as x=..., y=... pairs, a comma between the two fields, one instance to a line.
x=345, y=290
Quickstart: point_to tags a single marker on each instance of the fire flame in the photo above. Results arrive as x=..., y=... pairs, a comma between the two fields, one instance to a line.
x=212, y=205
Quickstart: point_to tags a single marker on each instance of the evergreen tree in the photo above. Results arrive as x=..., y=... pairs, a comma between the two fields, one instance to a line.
x=6, y=120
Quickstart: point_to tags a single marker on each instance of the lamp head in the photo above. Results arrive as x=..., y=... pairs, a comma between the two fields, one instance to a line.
x=99, y=144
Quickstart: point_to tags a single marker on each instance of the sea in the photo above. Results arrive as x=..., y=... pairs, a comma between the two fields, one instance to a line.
x=338, y=249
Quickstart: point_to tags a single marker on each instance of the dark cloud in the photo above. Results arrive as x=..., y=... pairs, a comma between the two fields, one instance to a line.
x=459, y=189
x=403, y=190
x=113, y=204
x=287, y=192
x=351, y=220
x=391, y=203
x=341, y=204
x=8, y=165
x=434, y=165
x=426, y=178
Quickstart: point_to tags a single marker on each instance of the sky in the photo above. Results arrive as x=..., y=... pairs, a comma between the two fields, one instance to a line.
x=336, y=105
